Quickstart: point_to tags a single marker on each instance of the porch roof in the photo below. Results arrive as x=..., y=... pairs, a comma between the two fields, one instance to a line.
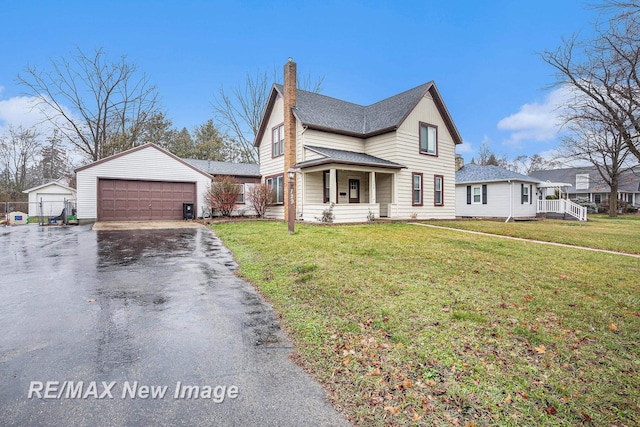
x=331, y=155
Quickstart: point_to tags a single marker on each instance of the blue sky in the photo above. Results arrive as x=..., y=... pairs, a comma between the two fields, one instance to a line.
x=481, y=54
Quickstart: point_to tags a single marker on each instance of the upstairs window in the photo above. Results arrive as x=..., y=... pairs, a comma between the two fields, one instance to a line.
x=277, y=141
x=428, y=139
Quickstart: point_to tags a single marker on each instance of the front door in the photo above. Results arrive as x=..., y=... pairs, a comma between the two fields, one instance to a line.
x=354, y=191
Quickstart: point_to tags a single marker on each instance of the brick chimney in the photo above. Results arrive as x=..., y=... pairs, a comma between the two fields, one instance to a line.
x=289, y=131
x=459, y=162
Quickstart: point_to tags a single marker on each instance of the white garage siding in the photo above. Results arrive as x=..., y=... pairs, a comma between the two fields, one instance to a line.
x=52, y=196
x=147, y=163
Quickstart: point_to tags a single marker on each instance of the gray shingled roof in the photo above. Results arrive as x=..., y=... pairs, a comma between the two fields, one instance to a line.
x=628, y=181
x=476, y=173
x=331, y=155
x=313, y=109
x=225, y=168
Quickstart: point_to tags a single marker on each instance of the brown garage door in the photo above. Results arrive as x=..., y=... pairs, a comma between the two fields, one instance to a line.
x=128, y=200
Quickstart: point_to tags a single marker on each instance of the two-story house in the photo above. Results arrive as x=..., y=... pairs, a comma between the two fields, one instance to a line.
x=391, y=159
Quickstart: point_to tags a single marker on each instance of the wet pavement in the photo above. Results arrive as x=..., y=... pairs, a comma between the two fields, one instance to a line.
x=94, y=325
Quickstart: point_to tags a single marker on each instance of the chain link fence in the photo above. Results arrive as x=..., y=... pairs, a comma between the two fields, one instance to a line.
x=43, y=212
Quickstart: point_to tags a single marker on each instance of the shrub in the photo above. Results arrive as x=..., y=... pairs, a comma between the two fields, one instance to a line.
x=260, y=197
x=222, y=195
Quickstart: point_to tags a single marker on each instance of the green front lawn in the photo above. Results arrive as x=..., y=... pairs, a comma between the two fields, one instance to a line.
x=617, y=234
x=408, y=325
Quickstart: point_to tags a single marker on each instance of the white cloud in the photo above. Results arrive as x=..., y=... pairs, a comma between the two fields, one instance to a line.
x=28, y=112
x=464, y=148
x=536, y=121
x=19, y=111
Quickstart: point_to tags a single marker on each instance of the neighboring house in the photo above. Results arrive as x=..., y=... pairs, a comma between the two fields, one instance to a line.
x=392, y=159
x=494, y=192
x=148, y=183
x=247, y=174
x=587, y=183
x=48, y=199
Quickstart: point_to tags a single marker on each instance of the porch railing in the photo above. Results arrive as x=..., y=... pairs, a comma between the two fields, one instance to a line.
x=563, y=206
x=351, y=212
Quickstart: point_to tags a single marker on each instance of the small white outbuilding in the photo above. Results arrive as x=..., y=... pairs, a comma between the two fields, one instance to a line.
x=494, y=192
x=48, y=199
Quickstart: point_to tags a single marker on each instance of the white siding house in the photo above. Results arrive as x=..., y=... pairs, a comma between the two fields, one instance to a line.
x=391, y=159
x=493, y=192
x=48, y=199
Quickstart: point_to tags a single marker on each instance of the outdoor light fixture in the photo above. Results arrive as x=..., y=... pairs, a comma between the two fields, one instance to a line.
x=291, y=173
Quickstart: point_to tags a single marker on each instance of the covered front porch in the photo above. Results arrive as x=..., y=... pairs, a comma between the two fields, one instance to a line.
x=353, y=194
x=352, y=186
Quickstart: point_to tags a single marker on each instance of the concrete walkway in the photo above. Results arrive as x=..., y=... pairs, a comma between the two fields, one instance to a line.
x=542, y=242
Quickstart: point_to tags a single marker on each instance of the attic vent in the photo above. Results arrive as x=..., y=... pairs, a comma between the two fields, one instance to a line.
x=582, y=181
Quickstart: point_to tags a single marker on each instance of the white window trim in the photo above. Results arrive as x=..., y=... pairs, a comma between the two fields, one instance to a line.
x=473, y=194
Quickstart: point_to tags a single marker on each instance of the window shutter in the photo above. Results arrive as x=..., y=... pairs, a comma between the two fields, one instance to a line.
x=530, y=194
x=484, y=194
x=468, y=194
x=522, y=194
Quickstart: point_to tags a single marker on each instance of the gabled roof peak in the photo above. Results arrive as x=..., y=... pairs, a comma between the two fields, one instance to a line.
x=322, y=112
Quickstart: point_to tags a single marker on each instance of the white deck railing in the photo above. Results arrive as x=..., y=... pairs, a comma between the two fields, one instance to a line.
x=563, y=206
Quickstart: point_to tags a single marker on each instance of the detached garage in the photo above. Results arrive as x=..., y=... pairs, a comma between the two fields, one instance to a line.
x=143, y=183
x=48, y=199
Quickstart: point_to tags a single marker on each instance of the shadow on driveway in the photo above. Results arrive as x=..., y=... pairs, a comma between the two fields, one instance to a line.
x=123, y=310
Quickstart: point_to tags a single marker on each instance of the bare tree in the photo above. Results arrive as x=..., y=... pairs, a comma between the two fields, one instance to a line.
x=18, y=151
x=603, y=72
x=222, y=195
x=486, y=157
x=526, y=164
x=600, y=144
x=260, y=196
x=99, y=106
x=239, y=109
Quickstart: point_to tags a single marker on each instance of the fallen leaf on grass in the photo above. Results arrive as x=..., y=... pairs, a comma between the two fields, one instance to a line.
x=613, y=327
x=407, y=383
x=551, y=410
x=392, y=410
x=564, y=276
x=416, y=417
x=376, y=372
x=541, y=349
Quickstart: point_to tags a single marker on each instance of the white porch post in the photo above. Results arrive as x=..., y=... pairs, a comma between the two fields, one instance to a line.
x=372, y=187
x=333, y=192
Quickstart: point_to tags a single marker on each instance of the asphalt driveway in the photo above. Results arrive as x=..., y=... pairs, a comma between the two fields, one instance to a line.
x=94, y=325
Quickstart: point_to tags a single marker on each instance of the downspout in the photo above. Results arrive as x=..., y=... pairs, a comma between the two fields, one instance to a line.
x=510, y=200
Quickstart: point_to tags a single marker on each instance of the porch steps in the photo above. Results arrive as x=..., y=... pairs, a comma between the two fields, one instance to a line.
x=553, y=215
x=530, y=218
